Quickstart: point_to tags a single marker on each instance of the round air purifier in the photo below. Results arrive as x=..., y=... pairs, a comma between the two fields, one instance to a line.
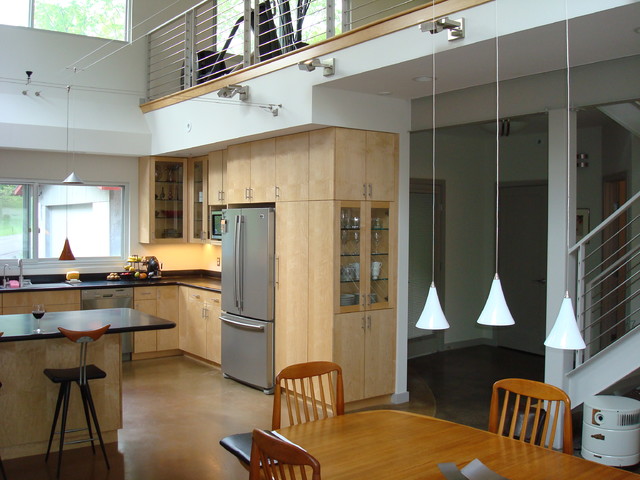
x=611, y=430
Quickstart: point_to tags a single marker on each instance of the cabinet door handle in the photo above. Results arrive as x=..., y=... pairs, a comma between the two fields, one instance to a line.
x=250, y=193
x=364, y=190
x=370, y=190
x=369, y=322
x=195, y=296
x=277, y=191
x=363, y=323
x=246, y=194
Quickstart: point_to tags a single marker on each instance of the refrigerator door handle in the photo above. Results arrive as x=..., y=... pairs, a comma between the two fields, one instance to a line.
x=242, y=324
x=238, y=263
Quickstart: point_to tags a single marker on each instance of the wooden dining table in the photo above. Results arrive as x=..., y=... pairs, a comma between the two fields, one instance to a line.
x=389, y=445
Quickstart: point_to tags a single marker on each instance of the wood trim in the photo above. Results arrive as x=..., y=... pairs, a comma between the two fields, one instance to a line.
x=356, y=36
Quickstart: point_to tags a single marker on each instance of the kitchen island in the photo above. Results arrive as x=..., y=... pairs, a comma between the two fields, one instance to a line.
x=27, y=397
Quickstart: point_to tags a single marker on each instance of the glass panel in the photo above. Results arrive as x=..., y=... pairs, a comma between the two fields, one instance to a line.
x=379, y=256
x=15, y=221
x=91, y=217
x=94, y=18
x=198, y=198
x=169, y=191
x=350, y=247
x=15, y=12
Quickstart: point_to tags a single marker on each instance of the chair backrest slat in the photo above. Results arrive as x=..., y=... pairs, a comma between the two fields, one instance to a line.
x=532, y=412
x=311, y=391
x=276, y=459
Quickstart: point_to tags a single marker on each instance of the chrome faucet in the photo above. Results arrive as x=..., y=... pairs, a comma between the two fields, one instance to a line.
x=21, y=277
x=4, y=275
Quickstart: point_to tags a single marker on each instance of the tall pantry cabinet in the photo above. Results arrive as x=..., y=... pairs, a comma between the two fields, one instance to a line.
x=352, y=276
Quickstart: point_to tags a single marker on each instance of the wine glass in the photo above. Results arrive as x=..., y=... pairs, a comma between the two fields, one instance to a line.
x=38, y=312
x=376, y=241
x=356, y=243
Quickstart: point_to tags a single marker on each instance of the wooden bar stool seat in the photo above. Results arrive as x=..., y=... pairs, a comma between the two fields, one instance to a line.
x=81, y=376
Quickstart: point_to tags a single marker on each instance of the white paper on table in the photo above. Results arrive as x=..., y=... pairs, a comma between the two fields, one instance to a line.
x=476, y=470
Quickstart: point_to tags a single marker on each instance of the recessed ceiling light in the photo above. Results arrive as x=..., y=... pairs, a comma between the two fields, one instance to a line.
x=422, y=78
x=384, y=94
x=637, y=30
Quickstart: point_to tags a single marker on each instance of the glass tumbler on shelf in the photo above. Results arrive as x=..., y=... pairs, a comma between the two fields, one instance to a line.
x=38, y=312
x=377, y=236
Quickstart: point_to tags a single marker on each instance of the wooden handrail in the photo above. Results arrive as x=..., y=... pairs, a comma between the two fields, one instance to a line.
x=386, y=26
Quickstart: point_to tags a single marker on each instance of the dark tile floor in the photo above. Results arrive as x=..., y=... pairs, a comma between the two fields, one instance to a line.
x=176, y=409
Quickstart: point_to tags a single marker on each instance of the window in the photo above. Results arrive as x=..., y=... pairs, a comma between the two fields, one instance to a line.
x=36, y=219
x=93, y=18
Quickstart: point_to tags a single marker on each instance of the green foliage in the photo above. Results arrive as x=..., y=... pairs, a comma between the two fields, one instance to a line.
x=95, y=18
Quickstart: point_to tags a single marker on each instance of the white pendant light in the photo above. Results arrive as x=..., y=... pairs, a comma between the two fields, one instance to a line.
x=432, y=316
x=565, y=334
x=496, y=312
x=73, y=179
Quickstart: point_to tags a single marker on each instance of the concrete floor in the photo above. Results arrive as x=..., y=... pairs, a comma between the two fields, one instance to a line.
x=177, y=409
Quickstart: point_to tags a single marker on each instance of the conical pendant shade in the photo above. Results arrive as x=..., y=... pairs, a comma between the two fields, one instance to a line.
x=495, y=312
x=73, y=179
x=565, y=333
x=432, y=316
x=66, y=254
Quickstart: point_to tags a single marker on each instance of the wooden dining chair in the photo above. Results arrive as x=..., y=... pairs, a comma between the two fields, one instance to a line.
x=310, y=391
x=276, y=459
x=530, y=411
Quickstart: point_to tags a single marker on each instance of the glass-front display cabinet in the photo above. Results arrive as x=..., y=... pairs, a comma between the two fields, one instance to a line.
x=365, y=260
x=198, y=223
x=162, y=191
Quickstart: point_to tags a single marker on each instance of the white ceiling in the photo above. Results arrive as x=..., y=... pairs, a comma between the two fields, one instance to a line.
x=603, y=36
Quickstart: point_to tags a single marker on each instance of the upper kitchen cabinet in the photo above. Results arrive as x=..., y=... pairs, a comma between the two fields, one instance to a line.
x=162, y=190
x=197, y=194
x=217, y=178
x=251, y=172
x=292, y=167
x=348, y=164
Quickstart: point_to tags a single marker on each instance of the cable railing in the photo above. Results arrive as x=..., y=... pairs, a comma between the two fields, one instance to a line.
x=608, y=279
x=216, y=38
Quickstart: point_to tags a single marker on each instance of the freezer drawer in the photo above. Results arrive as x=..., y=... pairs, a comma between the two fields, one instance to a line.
x=247, y=351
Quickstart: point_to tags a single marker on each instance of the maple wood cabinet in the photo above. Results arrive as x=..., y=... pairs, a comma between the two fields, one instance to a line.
x=161, y=302
x=251, y=172
x=53, y=301
x=197, y=191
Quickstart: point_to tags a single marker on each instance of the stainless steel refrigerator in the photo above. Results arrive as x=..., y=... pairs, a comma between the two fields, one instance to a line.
x=248, y=296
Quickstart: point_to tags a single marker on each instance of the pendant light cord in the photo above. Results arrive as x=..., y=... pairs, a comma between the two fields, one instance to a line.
x=497, y=136
x=566, y=31
x=433, y=150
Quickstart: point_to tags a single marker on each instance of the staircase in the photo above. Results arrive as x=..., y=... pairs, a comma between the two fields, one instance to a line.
x=608, y=305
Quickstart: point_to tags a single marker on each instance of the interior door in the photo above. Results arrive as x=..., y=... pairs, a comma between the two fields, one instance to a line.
x=523, y=265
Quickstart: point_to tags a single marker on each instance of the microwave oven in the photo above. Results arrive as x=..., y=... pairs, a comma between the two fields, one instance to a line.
x=216, y=225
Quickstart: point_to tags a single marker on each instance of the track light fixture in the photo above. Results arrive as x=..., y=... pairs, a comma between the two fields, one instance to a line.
x=455, y=28
x=230, y=90
x=328, y=66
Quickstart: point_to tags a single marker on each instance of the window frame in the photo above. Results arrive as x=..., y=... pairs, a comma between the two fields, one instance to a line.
x=34, y=227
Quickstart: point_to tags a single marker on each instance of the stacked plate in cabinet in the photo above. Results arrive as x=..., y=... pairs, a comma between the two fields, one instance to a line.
x=349, y=299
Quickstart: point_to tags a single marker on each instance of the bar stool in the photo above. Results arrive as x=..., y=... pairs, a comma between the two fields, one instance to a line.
x=81, y=376
x=4, y=474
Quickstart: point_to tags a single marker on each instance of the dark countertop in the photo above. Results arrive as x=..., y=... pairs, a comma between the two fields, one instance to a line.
x=197, y=281
x=21, y=326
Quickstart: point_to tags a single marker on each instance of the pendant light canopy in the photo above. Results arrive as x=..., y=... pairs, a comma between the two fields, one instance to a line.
x=496, y=312
x=432, y=317
x=565, y=334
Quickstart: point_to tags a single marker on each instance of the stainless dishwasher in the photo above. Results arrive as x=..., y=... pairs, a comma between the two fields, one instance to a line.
x=111, y=298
